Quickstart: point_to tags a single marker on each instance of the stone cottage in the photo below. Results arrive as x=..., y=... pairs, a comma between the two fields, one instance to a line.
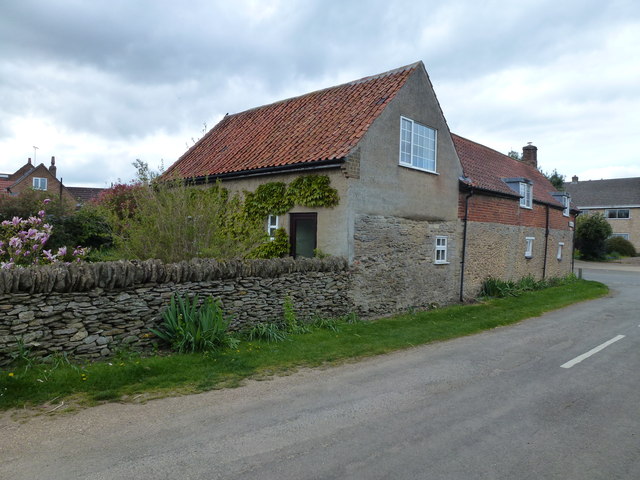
x=404, y=183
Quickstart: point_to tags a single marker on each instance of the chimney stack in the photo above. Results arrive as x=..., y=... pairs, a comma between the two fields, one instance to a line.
x=29, y=161
x=574, y=179
x=52, y=167
x=530, y=155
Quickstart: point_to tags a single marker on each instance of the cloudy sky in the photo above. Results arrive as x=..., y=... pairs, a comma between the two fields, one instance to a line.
x=99, y=84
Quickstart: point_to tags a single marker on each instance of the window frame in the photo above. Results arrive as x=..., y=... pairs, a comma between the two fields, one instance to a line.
x=560, y=248
x=441, y=247
x=528, y=248
x=608, y=211
x=271, y=226
x=526, y=197
x=412, y=144
x=37, y=183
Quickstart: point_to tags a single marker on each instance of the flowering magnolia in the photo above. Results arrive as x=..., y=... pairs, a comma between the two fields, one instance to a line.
x=22, y=243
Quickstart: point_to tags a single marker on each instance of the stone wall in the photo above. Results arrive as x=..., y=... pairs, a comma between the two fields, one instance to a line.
x=394, y=265
x=92, y=310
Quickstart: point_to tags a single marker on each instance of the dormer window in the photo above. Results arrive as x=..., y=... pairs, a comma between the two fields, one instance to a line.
x=39, y=183
x=522, y=187
x=526, y=195
x=417, y=145
x=565, y=200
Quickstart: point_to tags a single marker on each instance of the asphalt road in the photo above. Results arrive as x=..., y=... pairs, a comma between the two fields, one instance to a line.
x=554, y=397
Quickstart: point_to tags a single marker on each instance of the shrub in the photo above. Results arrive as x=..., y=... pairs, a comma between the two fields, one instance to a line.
x=494, y=287
x=189, y=326
x=620, y=245
x=174, y=222
x=22, y=243
x=592, y=230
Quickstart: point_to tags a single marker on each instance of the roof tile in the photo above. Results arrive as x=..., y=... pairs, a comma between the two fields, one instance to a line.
x=485, y=168
x=321, y=125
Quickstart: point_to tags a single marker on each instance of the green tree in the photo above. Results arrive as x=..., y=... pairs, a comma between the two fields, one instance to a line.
x=592, y=231
x=556, y=179
x=515, y=155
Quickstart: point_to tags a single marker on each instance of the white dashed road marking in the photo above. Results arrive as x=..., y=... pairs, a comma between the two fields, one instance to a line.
x=593, y=351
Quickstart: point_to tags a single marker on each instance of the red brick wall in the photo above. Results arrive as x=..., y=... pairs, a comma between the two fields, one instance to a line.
x=492, y=209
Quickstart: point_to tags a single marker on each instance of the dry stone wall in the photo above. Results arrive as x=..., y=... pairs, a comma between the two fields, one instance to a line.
x=92, y=310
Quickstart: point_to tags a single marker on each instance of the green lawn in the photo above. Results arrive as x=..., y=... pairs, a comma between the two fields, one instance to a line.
x=126, y=376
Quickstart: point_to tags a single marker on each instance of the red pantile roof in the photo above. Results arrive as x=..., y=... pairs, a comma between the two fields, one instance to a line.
x=486, y=168
x=84, y=194
x=319, y=126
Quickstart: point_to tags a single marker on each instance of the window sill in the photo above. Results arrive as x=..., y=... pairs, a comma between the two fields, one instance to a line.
x=441, y=263
x=528, y=257
x=406, y=165
x=527, y=208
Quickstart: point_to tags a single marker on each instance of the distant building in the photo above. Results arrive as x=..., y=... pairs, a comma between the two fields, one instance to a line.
x=618, y=199
x=43, y=178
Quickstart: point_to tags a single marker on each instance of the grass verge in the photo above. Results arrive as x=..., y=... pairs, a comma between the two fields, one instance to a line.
x=126, y=376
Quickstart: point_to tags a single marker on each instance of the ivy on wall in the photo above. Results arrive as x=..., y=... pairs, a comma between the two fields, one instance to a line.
x=276, y=248
x=277, y=198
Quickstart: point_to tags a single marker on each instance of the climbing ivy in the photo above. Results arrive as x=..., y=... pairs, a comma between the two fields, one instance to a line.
x=313, y=191
x=276, y=198
x=276, y=248
x=268, y=199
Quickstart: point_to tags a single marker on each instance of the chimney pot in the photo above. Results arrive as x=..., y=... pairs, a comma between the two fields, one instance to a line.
x=530, y=155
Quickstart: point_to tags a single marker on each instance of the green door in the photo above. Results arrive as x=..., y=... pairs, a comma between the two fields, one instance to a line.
x=303, y=229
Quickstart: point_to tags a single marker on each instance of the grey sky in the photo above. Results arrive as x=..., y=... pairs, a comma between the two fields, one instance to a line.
x=99, y=84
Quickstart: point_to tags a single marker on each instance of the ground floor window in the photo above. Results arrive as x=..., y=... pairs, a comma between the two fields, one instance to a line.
x=303, y=228
x=621, y=235
x=528, y=251
x=560, y=246
x=272, y=226
x=441, y=249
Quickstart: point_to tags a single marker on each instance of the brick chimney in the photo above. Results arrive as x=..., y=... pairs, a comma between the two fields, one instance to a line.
x=574, y=179
x=530, y=155
x=29, y=161
x=52, y=167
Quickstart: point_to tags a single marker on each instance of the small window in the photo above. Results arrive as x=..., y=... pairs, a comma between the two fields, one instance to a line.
x=272, y=226
x=617, y=213
x=441, y=250
x=528, y=252
x=39, y=183
x=417, y=145
x=559, y=256
x=621, y=235
x=566, y=201
x=525, y=194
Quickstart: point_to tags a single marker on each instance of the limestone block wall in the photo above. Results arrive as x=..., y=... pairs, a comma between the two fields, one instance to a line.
x=394, y=267
x=91, y=310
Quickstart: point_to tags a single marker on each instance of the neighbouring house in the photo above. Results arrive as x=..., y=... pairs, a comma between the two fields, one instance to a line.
x=39, y=177
x=403, y=183
x=618, y=199
x=515, y=223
